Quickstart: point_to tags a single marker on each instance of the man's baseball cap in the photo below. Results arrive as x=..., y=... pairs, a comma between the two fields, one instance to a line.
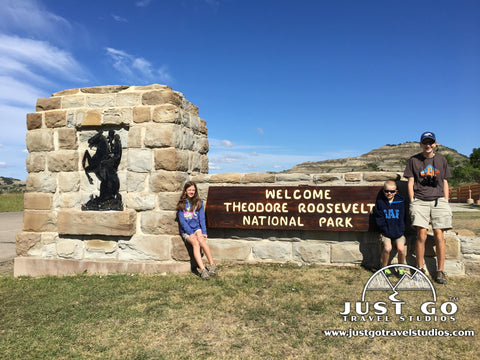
x=428, y=135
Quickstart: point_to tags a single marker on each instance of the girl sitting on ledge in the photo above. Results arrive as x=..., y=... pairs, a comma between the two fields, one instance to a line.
x=191, y=215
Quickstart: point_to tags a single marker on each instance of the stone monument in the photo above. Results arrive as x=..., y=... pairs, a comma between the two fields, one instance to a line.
x=142, y=143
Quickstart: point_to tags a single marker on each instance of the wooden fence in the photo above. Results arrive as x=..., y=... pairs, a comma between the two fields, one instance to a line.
x=462, y=194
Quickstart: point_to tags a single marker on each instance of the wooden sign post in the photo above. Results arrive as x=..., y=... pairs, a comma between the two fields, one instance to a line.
x=332, y=208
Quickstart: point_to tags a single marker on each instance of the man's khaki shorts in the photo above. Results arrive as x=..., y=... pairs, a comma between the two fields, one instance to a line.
x=437, y=211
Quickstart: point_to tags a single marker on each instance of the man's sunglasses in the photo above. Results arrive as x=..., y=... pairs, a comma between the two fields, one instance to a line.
x=428, y=142
x=390, y=191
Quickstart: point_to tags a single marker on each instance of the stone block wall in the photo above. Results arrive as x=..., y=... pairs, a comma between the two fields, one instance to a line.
x=319, y=247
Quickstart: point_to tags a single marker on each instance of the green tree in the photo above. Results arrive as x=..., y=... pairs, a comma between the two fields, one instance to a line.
x=466, y=174
x=449, y=159
x=475, y=158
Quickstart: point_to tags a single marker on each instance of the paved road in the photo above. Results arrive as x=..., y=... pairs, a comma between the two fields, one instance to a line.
x=463, y=207
x=10, y=224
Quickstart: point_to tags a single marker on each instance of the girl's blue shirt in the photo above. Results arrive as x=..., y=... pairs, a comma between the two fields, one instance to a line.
x=192, y=219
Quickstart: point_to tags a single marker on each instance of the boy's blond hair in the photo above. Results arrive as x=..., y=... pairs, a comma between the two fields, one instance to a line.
x=390, y=183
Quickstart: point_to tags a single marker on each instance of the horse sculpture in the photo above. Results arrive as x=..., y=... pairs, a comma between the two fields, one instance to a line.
x=104, y=164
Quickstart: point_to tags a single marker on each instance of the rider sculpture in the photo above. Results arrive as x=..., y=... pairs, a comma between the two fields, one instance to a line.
x=104, y=164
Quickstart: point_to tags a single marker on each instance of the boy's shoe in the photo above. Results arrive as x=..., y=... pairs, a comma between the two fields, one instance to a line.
x=387, y=272
x=441, y=277
x=401, y=272
x=204, y=274
x=213, y=270
x=422, y=270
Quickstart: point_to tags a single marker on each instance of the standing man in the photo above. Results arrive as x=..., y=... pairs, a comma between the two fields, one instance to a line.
x=427, y=175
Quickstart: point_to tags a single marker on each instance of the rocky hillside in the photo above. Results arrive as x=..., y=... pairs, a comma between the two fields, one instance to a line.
x=387, y=158
x=9, y=185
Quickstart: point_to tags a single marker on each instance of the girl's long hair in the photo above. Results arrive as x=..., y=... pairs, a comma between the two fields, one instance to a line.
x=195, y=200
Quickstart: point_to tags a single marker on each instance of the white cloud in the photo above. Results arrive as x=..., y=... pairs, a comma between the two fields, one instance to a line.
x=224, y=144
x=260, y=131
x=137, y=69
x=118, y=18
x=13, y=118
x=28, y=67
x=237, y=160
x=143, y=3
x=17, y=92
x=33, y=62
x=229, y=158
x=213, y=166
x=3, y=164
x=32, y=19
x=164, y=74
x=21, y=54
x=227, y=143
x=14, y=67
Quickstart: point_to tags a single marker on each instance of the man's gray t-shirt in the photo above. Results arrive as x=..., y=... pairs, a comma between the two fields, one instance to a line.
x=419, y=167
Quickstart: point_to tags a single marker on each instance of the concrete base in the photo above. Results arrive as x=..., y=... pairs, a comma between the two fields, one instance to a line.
x=30, y=266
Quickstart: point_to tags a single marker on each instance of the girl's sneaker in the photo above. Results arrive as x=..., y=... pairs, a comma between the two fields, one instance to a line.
x=204, y=274
x=213, y=270
x=401, y=272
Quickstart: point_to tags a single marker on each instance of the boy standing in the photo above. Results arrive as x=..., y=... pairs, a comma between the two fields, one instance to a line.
x=390, y=218
x=427, y=175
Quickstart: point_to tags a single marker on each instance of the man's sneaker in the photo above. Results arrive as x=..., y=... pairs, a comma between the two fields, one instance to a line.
x=401, y=272
x=441, y=277
x=387, y=272
x=204, y=274
x=213, y=270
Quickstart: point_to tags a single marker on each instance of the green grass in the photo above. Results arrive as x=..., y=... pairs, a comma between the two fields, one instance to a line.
x=11, y=202
x=247, y=312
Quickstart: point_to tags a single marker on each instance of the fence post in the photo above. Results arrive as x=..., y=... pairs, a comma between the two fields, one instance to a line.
x=469, y=200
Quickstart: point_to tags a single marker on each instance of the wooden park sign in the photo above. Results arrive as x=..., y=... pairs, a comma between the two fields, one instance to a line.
x=332, y=208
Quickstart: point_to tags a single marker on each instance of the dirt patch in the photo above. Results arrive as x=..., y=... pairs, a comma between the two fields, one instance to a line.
x=467, y=220
x=6, y=267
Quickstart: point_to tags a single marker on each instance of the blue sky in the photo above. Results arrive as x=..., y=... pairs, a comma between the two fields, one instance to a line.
x=278, y=82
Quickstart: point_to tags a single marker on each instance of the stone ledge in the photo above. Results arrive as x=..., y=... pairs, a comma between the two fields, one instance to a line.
x=110, y=223
x=30, y=266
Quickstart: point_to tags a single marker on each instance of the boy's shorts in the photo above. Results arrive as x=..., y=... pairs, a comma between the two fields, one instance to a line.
x=385, y=239
x=438, y=211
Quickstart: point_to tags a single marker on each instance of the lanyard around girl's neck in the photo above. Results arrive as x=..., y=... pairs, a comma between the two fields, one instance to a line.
x=189, y=205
